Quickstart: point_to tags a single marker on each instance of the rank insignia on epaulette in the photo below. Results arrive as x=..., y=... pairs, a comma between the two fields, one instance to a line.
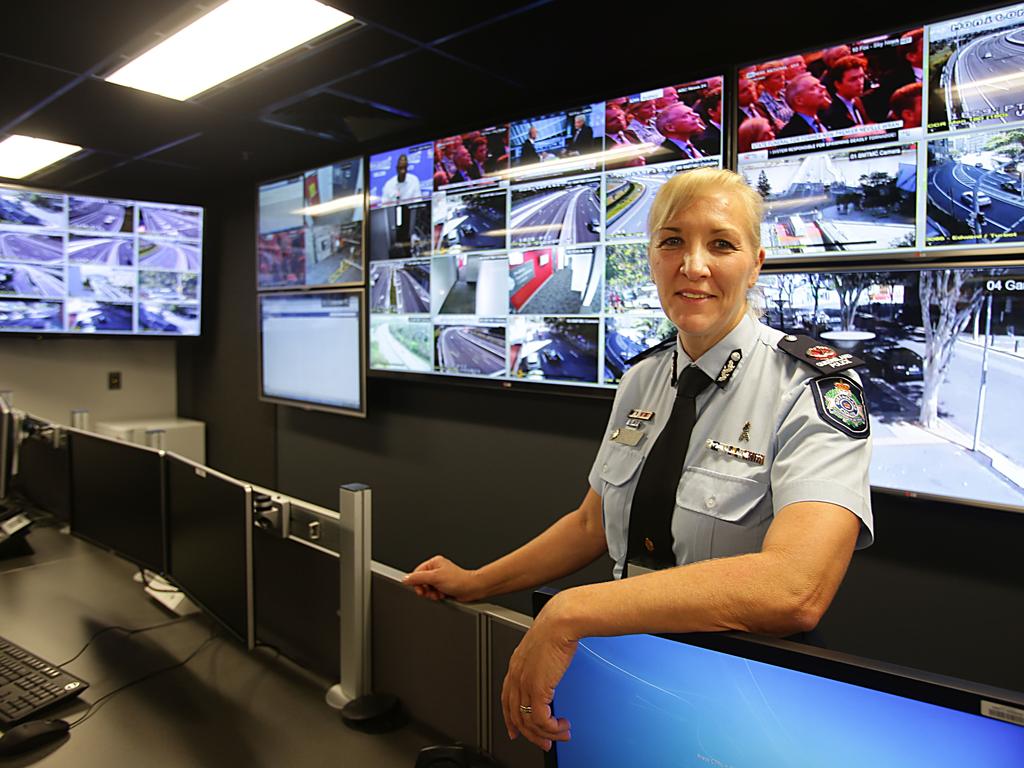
x=729, y=368
x=819, y=356
x=841, y=403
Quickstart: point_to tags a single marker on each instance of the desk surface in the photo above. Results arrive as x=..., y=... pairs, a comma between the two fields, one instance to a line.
x=226, y=706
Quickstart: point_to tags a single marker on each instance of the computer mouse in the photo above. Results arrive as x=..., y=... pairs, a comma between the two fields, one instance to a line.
x=31, y=735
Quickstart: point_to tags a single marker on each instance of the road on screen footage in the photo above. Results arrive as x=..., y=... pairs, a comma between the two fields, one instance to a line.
x=177, y=256
x=948, y=182
x=28, y=280
x=562, y=217
x=632, y=219
x=88, y=250
x=469, y=350
x=96, y=215
x=31, y=247
x=160, y=221
x=986, y=75
x=393, y=288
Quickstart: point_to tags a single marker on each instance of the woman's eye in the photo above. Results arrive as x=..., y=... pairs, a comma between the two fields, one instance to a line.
x=724, y=245
x=670, y=242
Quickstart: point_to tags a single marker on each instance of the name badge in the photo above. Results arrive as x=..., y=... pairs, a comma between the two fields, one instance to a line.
x=627, y=436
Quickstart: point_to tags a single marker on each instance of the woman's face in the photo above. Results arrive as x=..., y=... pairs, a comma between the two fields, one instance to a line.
x=703, y=262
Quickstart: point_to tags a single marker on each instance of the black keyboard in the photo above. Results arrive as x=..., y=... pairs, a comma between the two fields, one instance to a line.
x=29, y=684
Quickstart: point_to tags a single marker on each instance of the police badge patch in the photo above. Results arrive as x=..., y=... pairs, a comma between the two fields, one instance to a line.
x=840, y=402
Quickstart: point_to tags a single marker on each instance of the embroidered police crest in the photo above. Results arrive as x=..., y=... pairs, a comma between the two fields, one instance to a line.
x=840, y=402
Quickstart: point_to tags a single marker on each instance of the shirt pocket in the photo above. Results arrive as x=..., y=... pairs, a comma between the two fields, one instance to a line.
x=725, y=497
x=618, y=472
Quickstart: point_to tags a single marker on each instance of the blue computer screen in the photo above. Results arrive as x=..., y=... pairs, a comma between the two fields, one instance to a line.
x=642, y=700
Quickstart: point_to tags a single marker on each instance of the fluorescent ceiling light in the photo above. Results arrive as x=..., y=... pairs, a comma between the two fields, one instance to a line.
x=21, y=156
x=235, y=36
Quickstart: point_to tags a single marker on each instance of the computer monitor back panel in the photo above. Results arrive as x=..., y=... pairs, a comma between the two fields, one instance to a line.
x=647, y=700
x=209, y=544
x=117, y=497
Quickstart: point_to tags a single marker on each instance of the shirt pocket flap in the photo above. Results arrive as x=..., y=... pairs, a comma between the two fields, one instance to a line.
x=620, y=464
x=725, y=497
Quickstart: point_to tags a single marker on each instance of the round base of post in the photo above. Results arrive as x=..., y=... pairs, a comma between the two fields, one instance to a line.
x=374, y=712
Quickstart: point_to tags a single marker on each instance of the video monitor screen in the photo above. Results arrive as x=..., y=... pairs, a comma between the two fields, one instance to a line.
x=832, y=140
x=943, y=369
x=209, y=542
x=117, y=497
x=537, y=273
x=312, y=350
x=402, y=175
x=310, y=228
x=75, y=264
x=655, y=701
x=473, y=158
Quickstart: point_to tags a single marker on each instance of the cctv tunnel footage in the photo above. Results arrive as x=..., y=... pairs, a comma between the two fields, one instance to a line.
x=84, y=254
x=943, y=369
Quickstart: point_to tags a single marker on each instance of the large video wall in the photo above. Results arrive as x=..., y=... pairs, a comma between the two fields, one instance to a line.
x=517, y=252
x=77, y=264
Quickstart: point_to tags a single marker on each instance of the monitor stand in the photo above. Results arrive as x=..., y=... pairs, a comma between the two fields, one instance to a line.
x=169, y=596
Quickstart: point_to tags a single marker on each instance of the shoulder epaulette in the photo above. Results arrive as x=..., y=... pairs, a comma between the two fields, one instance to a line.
x=821, y=357
x=666, y=344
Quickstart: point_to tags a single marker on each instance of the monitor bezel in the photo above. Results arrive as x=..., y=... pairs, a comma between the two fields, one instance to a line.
x=364, y=166
x=65, y=334
x=249, y=638
x=306, y=405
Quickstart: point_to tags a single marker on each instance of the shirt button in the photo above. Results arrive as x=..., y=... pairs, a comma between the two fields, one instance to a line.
x=604, y=467
x=709, y=502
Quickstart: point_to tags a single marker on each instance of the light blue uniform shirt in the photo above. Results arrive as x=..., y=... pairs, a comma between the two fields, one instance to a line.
x=724, y=503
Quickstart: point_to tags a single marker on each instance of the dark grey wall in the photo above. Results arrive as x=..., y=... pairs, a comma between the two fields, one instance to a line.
x=217, y=374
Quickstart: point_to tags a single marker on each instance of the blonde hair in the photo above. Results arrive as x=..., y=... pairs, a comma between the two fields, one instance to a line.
x=683, y=188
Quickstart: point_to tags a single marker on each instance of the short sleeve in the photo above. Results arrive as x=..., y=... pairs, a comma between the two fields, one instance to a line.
x=818, y=460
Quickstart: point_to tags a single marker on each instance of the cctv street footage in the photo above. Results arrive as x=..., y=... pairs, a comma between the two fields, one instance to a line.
x=944, y=363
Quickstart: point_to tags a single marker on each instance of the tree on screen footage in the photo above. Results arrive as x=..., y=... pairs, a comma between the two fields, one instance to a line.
x=764, y=186
x=1010, y=144
x=851, y=288
x=948, y=300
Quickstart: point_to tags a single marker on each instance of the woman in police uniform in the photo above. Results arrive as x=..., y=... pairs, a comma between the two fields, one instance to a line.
x=735, y=451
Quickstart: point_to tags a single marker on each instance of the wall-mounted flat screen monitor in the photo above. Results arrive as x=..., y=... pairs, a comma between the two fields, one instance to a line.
x=828, y=139
x=402, y=175
x=944, y=362
x=530, y=266
x=209, y=542
x=896, y=144
x=310, y=228
x=117, y=497
x=76, y=264
x=728, y=701
x=311, y=350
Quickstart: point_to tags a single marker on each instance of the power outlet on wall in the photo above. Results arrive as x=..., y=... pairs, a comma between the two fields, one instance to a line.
x=114, y=380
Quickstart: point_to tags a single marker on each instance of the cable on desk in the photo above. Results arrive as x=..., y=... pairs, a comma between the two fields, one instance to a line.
x=126, y=630
x=96, y=704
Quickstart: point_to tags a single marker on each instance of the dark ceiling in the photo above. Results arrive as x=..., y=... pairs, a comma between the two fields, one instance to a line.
x=404, y=71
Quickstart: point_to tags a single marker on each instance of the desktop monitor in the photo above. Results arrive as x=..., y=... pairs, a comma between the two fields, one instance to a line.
x=209, y=543
x=117, y=497
x=732, y=700
x=44, y=467
x=312, y=352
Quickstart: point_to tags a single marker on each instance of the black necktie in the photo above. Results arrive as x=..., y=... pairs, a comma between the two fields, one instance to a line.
x=654, y=501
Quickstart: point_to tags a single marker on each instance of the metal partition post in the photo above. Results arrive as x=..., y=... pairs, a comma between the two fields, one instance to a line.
x=354, y=560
